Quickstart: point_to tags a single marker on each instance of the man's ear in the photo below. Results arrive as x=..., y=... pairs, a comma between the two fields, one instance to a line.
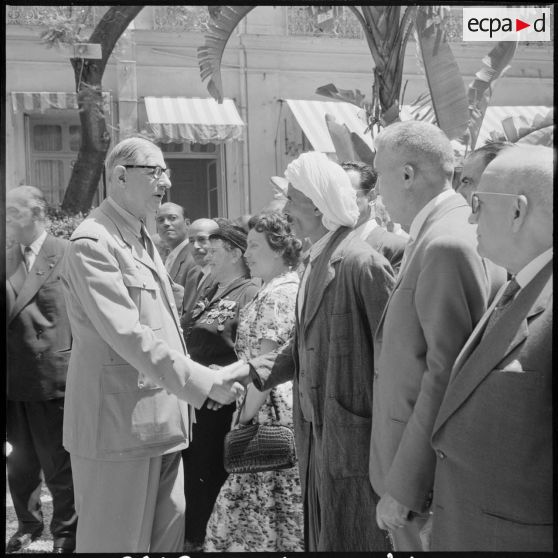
x=317, y=211
x=408, y=174
x=119, y=174
x=520, y=208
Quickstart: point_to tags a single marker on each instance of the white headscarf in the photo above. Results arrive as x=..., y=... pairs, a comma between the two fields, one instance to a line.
x=328, y=186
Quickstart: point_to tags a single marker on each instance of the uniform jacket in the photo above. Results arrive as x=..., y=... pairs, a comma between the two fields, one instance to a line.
x=440, y=296
x=38, y=337
x=347, y=289
x=493, y=435
x=130, y=386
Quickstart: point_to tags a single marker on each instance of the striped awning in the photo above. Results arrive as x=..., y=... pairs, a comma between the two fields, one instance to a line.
x=497, y=119
x=184, y=119
x=35, y=101
x=311, y=118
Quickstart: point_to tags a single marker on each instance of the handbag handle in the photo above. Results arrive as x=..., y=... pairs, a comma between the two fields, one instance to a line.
x=273, y=404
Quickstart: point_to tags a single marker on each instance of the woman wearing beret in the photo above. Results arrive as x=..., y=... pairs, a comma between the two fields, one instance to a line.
x=262, y=512
x=210, y=332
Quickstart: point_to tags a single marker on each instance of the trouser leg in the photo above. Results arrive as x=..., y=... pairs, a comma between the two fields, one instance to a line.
x=167, y=534
x=24, y=469
x=204, y=474
x=45, y=419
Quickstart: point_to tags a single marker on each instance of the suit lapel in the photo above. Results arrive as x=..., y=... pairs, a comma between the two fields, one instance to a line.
x=45, y=262
x=437, y=212
x=321, y=275
x=510, y=330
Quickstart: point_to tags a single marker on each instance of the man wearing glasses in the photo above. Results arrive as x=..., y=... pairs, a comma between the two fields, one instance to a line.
x=493, y=435
x=131, y=388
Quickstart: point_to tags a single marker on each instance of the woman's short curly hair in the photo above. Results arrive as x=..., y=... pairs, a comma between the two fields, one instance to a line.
x=278, y=234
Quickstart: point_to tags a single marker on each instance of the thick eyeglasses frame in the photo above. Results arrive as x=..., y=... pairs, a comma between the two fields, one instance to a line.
x=475, y=199
x=157, y=170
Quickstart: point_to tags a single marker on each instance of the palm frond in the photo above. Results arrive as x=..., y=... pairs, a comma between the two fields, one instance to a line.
x=224, y=20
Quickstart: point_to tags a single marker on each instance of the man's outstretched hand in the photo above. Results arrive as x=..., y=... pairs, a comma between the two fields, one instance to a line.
x=229, y=384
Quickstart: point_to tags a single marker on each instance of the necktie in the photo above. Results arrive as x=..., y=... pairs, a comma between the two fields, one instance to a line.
x=147, y=242
x=27, y=255
x=507, y=296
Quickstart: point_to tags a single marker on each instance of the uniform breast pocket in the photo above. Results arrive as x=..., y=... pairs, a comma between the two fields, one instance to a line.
x=144, y=291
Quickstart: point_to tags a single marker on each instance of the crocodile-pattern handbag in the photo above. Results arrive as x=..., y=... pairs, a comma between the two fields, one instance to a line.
x=254, y=448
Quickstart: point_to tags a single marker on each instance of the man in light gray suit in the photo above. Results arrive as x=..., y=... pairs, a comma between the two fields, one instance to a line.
x=442, y=290
x=131, y=388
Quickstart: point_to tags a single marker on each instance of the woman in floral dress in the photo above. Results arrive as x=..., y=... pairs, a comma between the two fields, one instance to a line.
x=262, y=512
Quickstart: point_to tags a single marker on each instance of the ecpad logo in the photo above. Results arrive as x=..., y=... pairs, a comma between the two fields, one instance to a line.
x=506, y=24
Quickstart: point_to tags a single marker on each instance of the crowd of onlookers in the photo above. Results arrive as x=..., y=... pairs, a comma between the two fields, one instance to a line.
x=400, y=327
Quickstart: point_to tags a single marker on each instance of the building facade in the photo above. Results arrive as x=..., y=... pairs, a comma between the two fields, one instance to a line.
x=219, y=168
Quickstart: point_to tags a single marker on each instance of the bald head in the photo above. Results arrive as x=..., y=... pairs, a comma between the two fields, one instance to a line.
x=25, y=214
x=514, y=206
x=525, y=170
x=199, y=233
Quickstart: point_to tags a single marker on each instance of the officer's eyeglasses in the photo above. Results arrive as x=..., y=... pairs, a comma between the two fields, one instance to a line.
x=157, y=170
x=475, y=199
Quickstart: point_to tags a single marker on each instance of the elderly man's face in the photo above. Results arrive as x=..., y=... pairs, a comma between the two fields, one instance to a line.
x=391, y=184
x=494, y=218
x=144, y=193
x=199, y=238
x=20, y=218
x=473, y=167
x=301, y=212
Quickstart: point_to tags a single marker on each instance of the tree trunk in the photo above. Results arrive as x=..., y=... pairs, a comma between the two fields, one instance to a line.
x=95, y=139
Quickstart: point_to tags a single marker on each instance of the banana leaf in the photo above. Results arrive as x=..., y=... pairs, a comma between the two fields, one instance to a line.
x=341, y=138
x=362, y=152
x=496, y=62
x=538, y=132
x=224, y=20
x=447, y=90
x=354, y=97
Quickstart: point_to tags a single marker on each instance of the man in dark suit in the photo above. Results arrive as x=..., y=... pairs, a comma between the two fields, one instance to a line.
x=493, y=435
x=39, y=342
x=172, y=227
x=390, y=245
x=442, y=291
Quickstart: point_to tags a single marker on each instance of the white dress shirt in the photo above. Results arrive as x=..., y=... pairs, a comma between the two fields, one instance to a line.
x=35, y=246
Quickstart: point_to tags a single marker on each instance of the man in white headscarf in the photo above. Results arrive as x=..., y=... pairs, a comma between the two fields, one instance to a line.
x=342, y=295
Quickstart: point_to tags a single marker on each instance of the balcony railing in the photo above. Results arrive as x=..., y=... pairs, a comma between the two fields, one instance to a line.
x=301, y=20
x=180, y=18
x=88, y=16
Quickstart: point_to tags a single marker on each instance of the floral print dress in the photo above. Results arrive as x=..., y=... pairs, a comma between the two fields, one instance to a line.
x=262, y=512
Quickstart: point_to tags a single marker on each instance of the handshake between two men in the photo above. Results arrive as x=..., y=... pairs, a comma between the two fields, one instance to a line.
x=229, y=384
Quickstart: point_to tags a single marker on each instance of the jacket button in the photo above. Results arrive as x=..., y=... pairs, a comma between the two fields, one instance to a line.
x=441, y=454
x=39, y=356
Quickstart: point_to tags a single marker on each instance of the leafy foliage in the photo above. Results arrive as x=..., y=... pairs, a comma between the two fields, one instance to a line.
x=63, y=223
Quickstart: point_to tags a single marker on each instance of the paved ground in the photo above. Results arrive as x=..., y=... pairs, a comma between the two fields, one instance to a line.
x=44, y=544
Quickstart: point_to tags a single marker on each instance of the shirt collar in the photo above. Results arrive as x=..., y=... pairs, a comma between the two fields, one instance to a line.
x=131, y=221
x=36, y=245
x=527, y=274
x=422, y=215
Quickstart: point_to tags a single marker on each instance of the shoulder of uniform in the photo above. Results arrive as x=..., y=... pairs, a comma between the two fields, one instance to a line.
x=89, y=235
